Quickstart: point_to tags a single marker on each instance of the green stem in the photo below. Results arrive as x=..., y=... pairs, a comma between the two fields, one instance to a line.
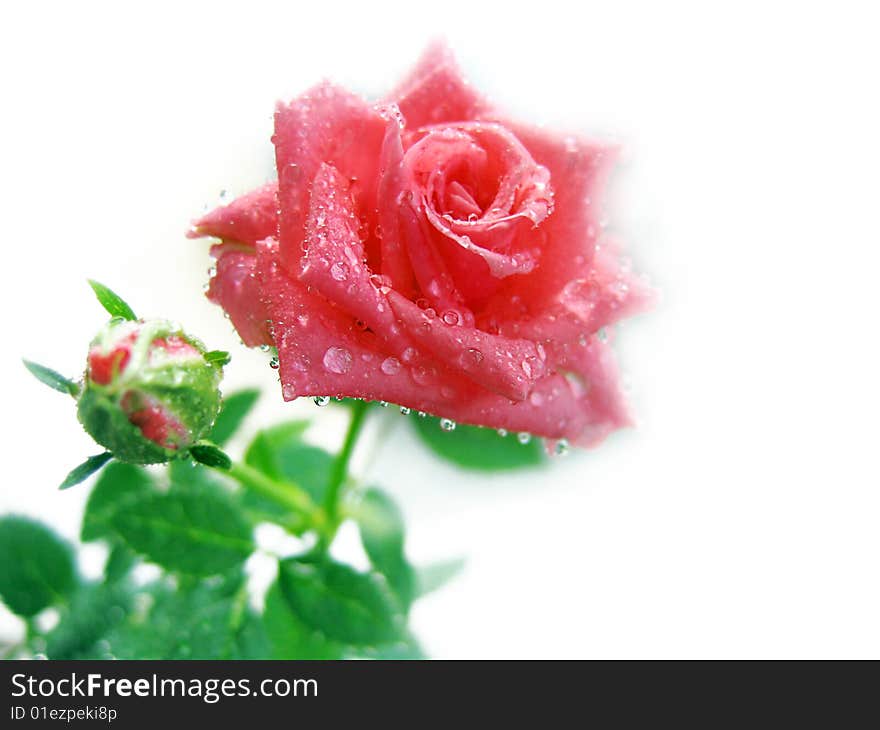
x=287, y=494
x=340, y=466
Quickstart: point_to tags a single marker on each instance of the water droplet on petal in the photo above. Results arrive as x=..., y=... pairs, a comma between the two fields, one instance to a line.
x=447, y=424
x=536, y=399
x=405, y=411
x=321, y=400
x=422, y=414
x=273, y=363
x=523, y=437
x=265, y=348
x=383, y=403
x=470, y=358
x=451, y=317
x=337, y=360
x=408, y=355
x=502, y=432
x=561, y=447
x=339, y=271
x=390, y=366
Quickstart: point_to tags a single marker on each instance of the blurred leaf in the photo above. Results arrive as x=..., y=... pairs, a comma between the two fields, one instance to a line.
x=53, y=379
x=432, y=577
x=250, y=641
x=406, y=648
x=290, y=638
x=343, y=604
x=112, y=302
x=198, y=534
x=186, y=475
x=382, y=534
x=210, y=455
x=94, y=611
x=220, y=357
x=119, y=563
x=36, y=566
x=85, y=470
x=482, y=449
x=233, y=411
x=201, y=620
x=118, y=485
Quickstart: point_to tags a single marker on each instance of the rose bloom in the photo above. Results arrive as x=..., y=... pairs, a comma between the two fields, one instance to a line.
x=428, y=251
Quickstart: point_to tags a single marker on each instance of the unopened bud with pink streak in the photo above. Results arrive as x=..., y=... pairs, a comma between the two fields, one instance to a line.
x=149, y=392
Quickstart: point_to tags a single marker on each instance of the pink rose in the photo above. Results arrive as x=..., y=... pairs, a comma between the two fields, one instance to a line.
x=429, y=252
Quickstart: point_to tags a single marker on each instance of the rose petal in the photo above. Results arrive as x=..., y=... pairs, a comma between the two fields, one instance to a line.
x=435, y=91
x=320, y=353
x=394, y=259
x=333, y=263
x=234, y=286
x=509, y=367
x=247, y=219
x=578, y=171
x=435, y=283
x=325, y=125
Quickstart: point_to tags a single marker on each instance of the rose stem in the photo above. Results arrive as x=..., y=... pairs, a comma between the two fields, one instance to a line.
x=287, y=494
x=340, y=466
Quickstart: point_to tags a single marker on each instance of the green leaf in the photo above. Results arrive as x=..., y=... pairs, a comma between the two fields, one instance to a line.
x=482, y=449
x=53, y=379
x=233, y=411
x=112, y=302
x=119, y=485
x=382, y=534
x=202, y=620
x=210, y=455
x=186, y=475
x=290, y=638
x=343, y=604
x=198, y=534
x=85, y=470
x=36, y=566
x=406, y=648
x=93, y=612
x=432, y=577
x=119, y=563
x=218, y=357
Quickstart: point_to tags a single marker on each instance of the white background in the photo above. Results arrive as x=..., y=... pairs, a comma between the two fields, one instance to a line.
x=740, y=519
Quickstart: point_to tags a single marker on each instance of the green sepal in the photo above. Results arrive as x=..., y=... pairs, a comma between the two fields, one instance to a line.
x=112, y=302
x=211, y=455
x=85, y=470
x=53, y=379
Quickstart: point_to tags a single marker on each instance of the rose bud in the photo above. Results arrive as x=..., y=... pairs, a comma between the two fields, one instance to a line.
x=431, y=252
x=149, y=392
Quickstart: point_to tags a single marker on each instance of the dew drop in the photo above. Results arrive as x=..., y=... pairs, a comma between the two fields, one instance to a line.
x=265, y=348
x=451, y=317
x=523, y=437
x=561, y=447
x=390, y=366
x=321, y=400
x=408, y=355
x=470, y=358
x=422, y=414
x=405, y=411
x=273, y=363
x=339, y=271
x=602, y=334
x=502, y=432
x=383, y=403
x=447, y=424
x=536, y=399
x=337, y=360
